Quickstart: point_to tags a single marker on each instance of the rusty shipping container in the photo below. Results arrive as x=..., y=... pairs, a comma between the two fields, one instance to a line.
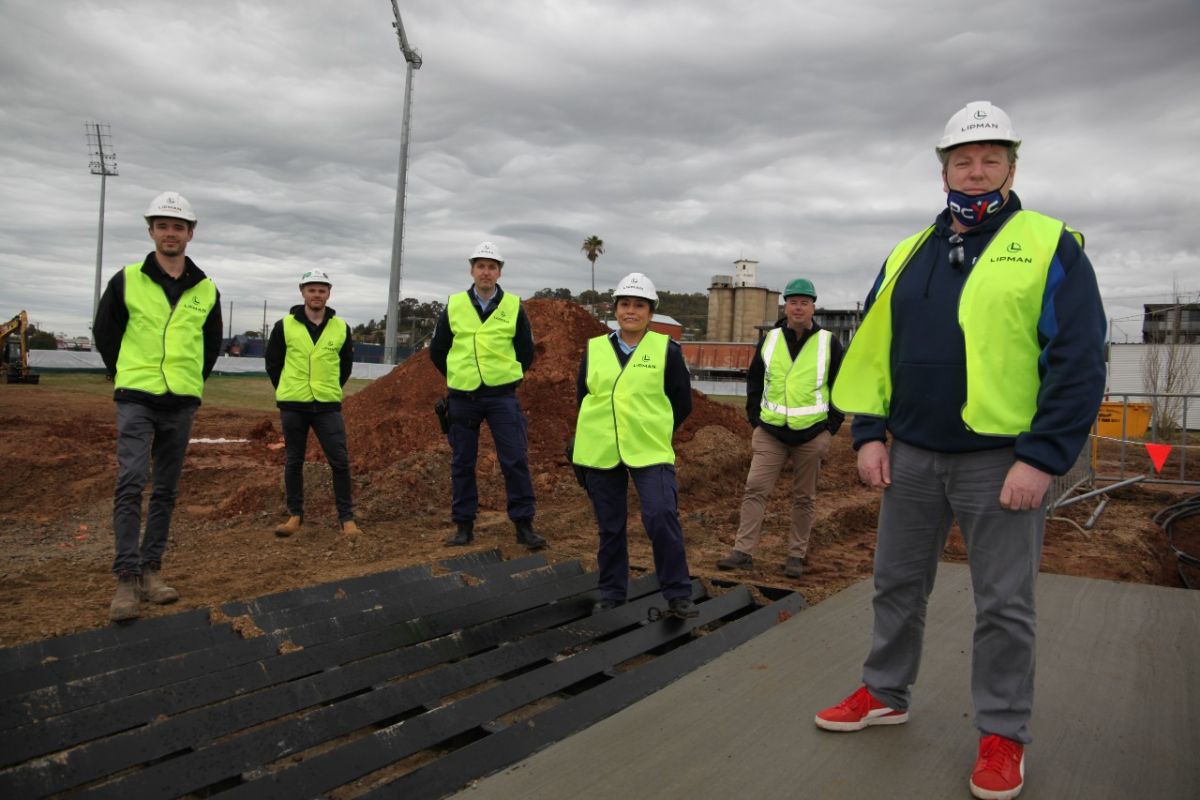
x=719, y=356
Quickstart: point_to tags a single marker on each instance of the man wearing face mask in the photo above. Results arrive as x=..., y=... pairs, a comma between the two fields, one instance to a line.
x=982, y=353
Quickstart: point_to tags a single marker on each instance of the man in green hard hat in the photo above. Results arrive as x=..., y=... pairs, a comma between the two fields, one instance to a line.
x=787, y=402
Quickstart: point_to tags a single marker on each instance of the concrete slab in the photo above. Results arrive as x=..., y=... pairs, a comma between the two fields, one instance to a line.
x=1118, y=699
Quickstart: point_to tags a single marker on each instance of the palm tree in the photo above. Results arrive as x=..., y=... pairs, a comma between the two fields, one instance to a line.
x=594, y=247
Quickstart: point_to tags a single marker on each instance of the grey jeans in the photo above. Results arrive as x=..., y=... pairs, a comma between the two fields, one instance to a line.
x=145, y=435
x=929, y=492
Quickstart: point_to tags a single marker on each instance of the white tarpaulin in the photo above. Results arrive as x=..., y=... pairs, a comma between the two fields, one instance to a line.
x=226, y=365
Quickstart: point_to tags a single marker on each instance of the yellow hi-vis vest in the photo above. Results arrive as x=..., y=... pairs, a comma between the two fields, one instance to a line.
x=162, y=349
x=626, y=417
x=482, y=353
x=794, y=392
x=312, y=371
x=998, y=312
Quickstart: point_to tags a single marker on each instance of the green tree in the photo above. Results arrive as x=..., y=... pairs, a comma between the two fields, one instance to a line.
x=40, y=340
x=594, y=247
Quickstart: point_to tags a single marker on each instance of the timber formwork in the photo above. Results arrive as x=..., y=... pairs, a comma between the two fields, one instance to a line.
x=402, y=683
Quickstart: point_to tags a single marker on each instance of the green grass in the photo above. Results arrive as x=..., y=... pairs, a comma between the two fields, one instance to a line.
x=251, y=392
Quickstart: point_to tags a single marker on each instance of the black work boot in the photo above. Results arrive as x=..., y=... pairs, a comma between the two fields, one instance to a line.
x=526, y=535
x=794, y=568
x=736, y=560
x=606, y=605
x=682, y=608
x=464, y=535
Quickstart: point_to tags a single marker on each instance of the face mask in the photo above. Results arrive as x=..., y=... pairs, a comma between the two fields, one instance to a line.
x=972, y=209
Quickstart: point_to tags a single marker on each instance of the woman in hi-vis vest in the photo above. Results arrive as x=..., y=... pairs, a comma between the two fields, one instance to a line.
x=634, y=392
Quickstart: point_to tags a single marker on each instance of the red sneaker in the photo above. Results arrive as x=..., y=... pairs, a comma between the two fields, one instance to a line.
x=1000, y=769
x=857, y=712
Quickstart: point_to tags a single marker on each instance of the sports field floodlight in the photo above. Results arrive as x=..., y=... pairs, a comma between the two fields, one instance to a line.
x=412, y=61
x=104, y=163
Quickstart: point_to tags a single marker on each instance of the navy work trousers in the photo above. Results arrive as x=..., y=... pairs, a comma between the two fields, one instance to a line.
x=330, y=429
x=144, y=435
x=510, y=432
x=658, y=495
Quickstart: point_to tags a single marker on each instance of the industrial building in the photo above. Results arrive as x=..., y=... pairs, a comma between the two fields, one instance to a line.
x=739, y=309
x=1167, y=323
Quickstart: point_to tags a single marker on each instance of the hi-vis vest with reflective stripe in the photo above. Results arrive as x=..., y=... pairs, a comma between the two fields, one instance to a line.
x=482, y=353
x=312, y=371
x=162, y=349
x=794, y=392
x=998, y=312
x=626, y=417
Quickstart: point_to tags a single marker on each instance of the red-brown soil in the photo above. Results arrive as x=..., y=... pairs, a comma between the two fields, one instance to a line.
x=59, y=460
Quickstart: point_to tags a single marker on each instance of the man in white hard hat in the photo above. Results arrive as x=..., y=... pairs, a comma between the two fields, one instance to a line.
x=310, y=355
x=158, y=329
x=787, y=403
x=634, y=392
x=982, y=353
x=483, y=344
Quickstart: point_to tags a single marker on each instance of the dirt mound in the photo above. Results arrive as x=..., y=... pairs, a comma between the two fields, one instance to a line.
x=393, y=418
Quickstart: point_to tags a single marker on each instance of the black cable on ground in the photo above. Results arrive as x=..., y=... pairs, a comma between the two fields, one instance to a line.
x=1166, y=519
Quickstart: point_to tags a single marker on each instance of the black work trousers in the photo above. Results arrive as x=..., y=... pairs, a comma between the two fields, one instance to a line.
x=330, y=429
x=147, y=435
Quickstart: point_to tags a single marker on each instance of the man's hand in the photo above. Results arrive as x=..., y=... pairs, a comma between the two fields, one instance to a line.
x=874, y=466
x=1024, y=486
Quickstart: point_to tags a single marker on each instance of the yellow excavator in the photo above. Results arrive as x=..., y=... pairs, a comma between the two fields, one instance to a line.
x=14, y=351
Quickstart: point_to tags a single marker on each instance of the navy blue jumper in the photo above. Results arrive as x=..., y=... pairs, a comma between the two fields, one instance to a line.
x=929, y=372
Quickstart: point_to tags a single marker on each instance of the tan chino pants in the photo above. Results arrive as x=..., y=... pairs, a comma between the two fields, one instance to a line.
x=770, y=455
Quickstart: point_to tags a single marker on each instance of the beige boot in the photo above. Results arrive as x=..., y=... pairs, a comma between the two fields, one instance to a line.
x=125, y=601
x=154, y=589
x=350, y=528
x=291, y=526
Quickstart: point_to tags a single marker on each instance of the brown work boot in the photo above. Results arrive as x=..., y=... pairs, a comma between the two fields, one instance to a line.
x=736, y=560
x=125, y=602
x=291, y=526
x=350, y=528
x=154, y=589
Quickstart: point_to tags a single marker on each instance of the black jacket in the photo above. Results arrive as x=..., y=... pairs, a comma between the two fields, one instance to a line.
x=277, y=353
x=112, y=316
x=757, y=377
x=443, y=338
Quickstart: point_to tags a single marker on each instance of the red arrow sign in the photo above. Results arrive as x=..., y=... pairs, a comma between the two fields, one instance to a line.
x=1158, y=454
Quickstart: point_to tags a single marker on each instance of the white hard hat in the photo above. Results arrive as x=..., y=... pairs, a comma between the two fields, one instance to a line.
x=487, y=250
x=170, y=204
x=315, y=276
x=978, y=122
x=635, y=284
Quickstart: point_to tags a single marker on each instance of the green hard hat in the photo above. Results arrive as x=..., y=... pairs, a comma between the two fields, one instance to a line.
x=800, y=286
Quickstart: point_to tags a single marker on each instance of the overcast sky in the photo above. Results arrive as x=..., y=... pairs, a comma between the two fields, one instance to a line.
x=686, y=135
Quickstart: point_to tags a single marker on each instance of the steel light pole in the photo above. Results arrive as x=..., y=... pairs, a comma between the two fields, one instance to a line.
x=104, y=163
x=412, y=61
